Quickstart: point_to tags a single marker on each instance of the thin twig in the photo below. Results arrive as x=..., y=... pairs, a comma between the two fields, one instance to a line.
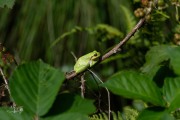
x=99, y=93
x=75, y=58
x=5, y=81
x=82, y=86
x=117, y=48
x=108, y=94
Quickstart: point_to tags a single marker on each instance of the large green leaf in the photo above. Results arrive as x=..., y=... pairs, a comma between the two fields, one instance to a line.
x=155, y=114
x=171, y=91
x=156, y=55
x=68, y=116
x=35, y=85
x=70, y=103
x=11, y=114
x=8, y=3
x=135, y=86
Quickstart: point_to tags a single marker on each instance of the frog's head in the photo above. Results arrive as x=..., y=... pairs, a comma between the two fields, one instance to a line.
x=96, y=55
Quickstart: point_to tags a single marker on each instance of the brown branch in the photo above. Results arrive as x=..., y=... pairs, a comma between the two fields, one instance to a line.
x=121, y=43
x=71, y=75
x=118, y=46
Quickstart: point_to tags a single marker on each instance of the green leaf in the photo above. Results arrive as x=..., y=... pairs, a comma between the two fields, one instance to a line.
x=171, y=91
x=154, y=57
x=158, y=54
x=78, y=104
x=35, y=85
x=68, y=116
x=155, y=114
x=106, y=32
x=10, y=114
x=70, y=103
x=133, y=85
x=61, y=37
x=8, y=3
x=128, y=20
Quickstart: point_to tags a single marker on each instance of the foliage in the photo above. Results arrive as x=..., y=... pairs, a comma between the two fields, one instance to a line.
x=159, y=54
x=103, y=33
x=155, y=114
x=135, y=85
x=35, y=82
x=8, y=3
x=130, y=113
x=127, y=114
x=34, y=87
x=146, y=68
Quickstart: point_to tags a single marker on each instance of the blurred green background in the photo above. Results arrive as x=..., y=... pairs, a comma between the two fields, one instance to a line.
x=29, y=29
x=31, y=26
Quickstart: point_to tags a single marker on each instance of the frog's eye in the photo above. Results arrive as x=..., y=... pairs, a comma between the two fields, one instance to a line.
x=95, y=54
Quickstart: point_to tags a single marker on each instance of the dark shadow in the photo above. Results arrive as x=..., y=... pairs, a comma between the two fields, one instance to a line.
x=161, y=74
x=62, y=103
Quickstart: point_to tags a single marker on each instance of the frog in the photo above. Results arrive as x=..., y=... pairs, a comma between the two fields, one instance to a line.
x=86, y=61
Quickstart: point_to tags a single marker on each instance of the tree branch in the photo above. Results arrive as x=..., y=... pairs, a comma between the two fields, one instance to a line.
x=120, y=44
x=128, y=36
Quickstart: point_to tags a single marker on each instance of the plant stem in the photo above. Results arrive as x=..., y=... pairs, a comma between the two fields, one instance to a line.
x=82, y=86
x=5, y=81
x=108, y=94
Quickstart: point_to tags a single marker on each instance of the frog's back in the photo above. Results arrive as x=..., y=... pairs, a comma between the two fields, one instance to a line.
x=80, y=66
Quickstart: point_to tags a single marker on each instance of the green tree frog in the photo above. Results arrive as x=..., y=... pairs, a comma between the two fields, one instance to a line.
x=86, y=61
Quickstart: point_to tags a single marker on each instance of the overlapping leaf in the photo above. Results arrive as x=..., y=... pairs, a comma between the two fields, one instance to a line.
x=35, y=85
x=70, y=103
x=171, y=91
x=159, y=54
x=136, y=86
x=155, y=114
